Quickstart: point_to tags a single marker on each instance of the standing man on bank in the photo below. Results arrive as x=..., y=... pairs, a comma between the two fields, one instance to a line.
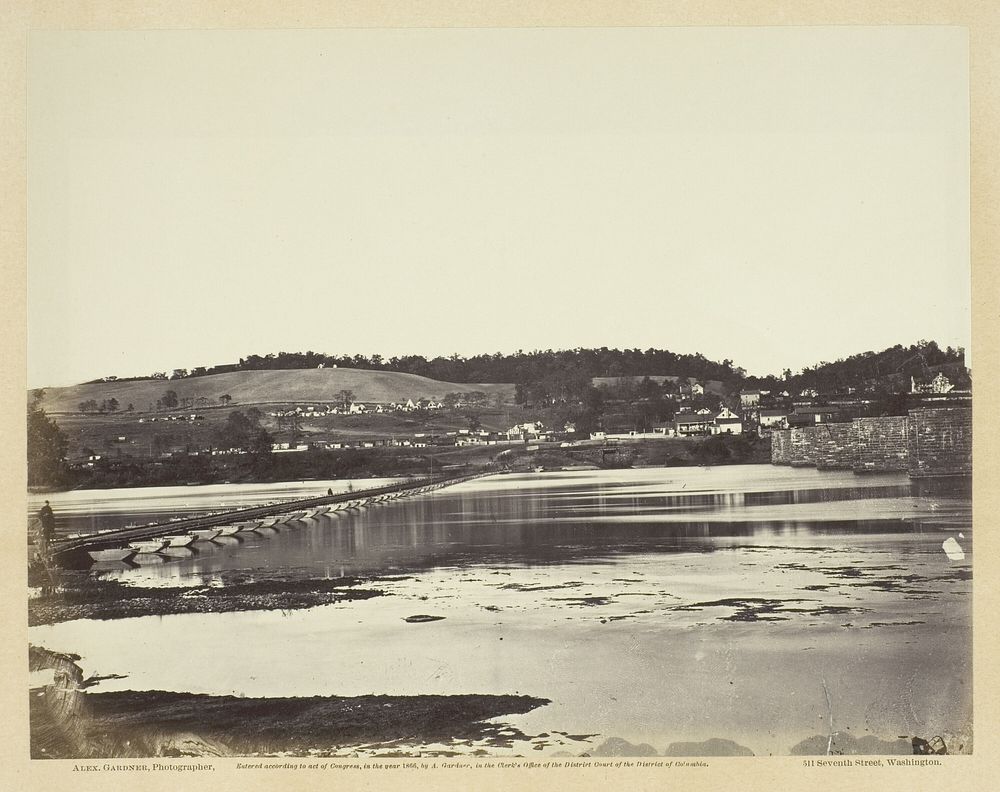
x=47, y=519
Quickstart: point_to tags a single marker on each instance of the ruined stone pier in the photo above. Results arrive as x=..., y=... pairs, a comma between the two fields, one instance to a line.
x=930, y=441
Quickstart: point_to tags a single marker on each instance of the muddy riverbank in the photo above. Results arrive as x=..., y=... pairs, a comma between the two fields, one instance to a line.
x=68, y=722
x=78, y=595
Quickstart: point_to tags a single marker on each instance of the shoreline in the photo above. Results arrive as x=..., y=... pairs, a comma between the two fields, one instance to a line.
x=829, y=617
x=78, y=596
x=67, y=722
x=318, y=464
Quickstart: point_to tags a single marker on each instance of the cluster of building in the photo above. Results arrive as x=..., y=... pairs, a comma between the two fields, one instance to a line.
x=763, y=411
x=359, y=408
x=534, y=431
x=173, y=417
x=757, y=412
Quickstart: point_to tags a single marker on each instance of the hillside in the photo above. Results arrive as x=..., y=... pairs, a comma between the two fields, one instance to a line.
x=888, y=370
x=262, y=387
x=712, y=386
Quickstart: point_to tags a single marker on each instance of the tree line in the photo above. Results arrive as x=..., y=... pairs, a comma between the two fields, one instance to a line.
x=557, y=375
x=887, y=371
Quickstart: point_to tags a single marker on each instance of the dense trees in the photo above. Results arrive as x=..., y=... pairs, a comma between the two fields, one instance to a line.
x=552, y=374
x=46, y=447
x=106, y=406
x=243, y=430
x=887, y=371
x=548, y=377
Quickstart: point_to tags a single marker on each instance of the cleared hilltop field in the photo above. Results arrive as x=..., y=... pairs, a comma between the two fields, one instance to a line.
x=269, y=387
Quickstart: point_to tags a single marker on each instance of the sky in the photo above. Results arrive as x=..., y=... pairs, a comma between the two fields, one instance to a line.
x=774, y=196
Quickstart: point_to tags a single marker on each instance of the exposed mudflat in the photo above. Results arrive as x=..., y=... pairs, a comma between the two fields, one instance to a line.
x=68, y=722
x=79, y=596
x=683, y=612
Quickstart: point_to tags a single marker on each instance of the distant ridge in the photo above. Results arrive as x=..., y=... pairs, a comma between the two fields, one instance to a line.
x=246, y=388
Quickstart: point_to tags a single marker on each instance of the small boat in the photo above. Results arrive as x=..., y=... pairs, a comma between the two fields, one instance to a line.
x=249, y=525
x=205, y=534
x=111, y=554
x=296, y=516
x=179, y=540
x=268, y=522
x=148, y=546
x=228, y=530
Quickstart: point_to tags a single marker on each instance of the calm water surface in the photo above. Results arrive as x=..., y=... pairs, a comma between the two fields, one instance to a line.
x=88, y=511
x=658, y=606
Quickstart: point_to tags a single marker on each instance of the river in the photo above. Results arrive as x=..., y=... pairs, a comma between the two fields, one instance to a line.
x=757, y=605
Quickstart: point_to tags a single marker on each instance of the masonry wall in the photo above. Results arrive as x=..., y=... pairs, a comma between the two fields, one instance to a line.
x=931, y=441
x=940, y=441
x=781, y=441
x=881, y=444
x=835, y=446
x=802, y=447
x=826, y=446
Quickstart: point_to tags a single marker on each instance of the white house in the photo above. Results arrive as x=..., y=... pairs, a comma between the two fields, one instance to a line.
x=525, y=431
x=940, y=384
x=728, y=422
x=692, y=424
x=773, y=419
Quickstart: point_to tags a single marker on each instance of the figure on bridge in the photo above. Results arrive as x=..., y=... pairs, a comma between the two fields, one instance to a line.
x=46, y=529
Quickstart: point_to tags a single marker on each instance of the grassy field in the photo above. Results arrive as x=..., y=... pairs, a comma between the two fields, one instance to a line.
x=300, y=386
x=102, y=433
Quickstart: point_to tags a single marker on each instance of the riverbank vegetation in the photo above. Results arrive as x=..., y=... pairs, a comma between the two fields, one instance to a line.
x=234, y=423
x=355, y=463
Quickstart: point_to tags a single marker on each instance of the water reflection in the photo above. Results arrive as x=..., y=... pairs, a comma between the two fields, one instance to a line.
x=577, y=518
x=655, y=606
x=90, y=511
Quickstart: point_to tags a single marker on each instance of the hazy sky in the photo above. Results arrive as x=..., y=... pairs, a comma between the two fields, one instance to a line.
x=774, y=196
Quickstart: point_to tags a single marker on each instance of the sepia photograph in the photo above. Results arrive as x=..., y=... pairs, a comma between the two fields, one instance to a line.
x=541, y=397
